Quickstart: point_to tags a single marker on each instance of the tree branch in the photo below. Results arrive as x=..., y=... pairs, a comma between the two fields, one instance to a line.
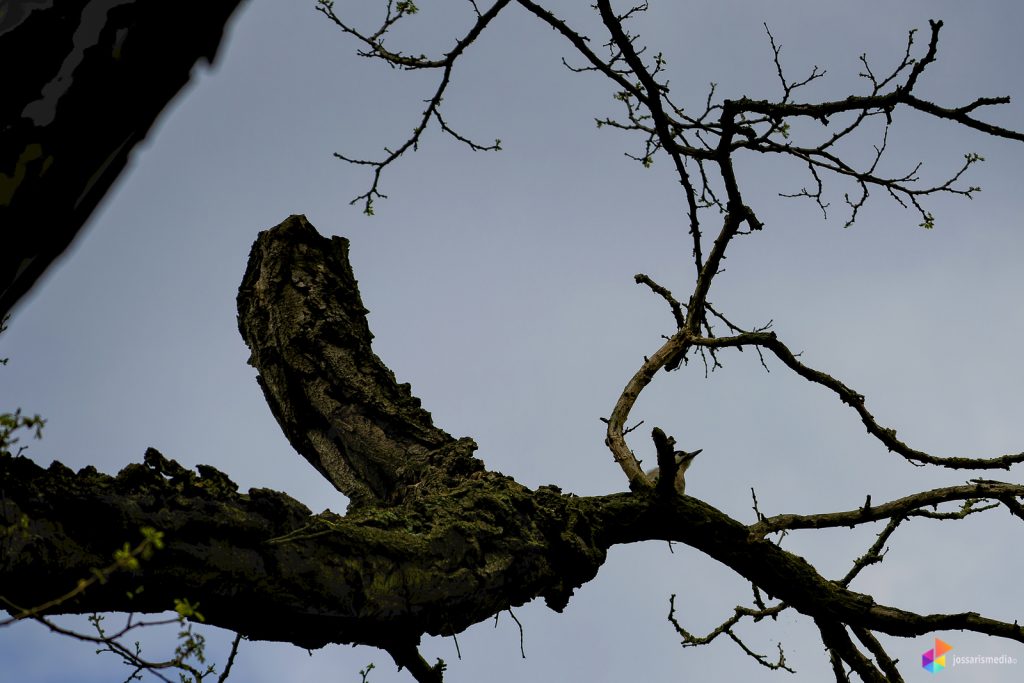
x=340, y=407
x=89, y=84
x=855, y=400
x=262, y=565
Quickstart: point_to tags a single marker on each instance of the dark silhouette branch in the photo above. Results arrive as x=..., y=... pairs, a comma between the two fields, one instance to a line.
x=857, y=401
x=91, y=78
x=909, y=506
x=431, y=554
x=433, y=542
x=301, y=315
x=433, y=110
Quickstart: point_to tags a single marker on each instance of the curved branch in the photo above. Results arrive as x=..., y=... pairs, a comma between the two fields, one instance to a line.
x=300, y=313
x=627, y=518
x=887, y=436
x=614, y=436
x=726, y=627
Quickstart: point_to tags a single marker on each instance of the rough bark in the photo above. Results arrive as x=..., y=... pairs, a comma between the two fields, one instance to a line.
x=262, y=565
x=435, y=544
x=84, y=80
x=432, y=543
x=340, y=407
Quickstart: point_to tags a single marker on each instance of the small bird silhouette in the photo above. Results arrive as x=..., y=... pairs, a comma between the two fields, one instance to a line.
x=683, y=460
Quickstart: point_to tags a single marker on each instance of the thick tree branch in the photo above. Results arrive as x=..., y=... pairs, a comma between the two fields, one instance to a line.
x=340, y=407
x=437, y=544
x=262, y=565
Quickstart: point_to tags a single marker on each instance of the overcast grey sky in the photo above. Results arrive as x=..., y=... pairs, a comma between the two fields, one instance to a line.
x=500, y=286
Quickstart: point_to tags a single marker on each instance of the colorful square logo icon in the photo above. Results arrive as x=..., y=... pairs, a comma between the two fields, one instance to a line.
x=934, y=660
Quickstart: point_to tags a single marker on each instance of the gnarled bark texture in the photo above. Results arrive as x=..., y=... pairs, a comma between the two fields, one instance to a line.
x=262, y=565
x=433, y=542
x=300, y=313
x=83, y=82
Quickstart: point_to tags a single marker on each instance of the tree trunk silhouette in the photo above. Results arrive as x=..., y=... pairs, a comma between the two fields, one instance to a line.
x=83, y=83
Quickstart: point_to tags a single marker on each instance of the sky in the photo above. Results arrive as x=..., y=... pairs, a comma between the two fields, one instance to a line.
x=501, y=287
